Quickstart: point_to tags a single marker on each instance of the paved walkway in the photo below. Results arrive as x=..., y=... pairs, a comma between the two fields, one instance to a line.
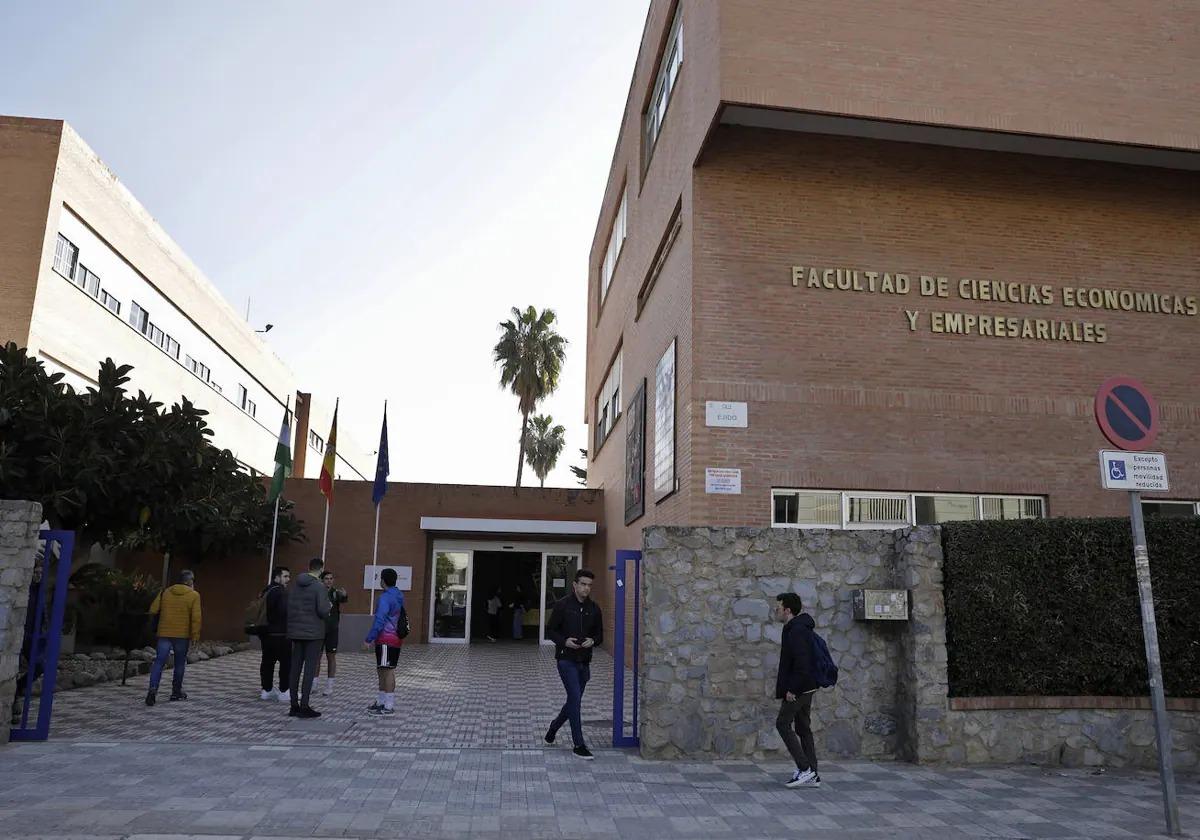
x=490, y=696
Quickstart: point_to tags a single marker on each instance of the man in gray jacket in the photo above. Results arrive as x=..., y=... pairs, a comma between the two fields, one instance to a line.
x=308, y=606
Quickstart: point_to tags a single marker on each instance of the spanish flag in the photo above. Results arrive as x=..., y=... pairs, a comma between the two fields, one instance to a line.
x=329, y=464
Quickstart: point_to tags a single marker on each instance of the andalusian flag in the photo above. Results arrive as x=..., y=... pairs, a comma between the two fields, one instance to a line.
x=328, y=465
x=283, y=457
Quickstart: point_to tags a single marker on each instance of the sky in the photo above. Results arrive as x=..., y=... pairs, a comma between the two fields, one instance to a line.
x=382, y=180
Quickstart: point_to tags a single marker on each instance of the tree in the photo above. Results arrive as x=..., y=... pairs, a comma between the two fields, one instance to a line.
x=530, y=354
x=119, y=471
x=545, y=445
x=581, y=472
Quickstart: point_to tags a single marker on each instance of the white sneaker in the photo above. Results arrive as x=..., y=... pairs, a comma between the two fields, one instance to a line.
x=268, y=695
x=801, y=778
x=285, y=697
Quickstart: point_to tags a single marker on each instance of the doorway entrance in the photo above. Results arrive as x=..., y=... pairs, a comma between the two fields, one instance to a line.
x=467, y=573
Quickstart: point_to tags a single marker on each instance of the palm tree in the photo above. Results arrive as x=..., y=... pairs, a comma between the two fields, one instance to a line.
x=530, y=354
x=545, y=445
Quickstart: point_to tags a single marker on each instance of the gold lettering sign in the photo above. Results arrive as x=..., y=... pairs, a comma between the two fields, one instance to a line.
x=997, y=325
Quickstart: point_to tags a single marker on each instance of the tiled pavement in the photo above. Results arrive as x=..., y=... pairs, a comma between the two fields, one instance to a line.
x=462, y=762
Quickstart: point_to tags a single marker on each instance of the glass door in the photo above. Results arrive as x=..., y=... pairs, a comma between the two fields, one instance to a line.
x=450, y=617
x=558, y=571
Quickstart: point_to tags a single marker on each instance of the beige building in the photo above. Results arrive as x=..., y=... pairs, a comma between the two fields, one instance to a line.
x=87, y=274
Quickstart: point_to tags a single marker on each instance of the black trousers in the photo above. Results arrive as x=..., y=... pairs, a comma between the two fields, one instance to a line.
x=795, y=715
x=275, y=649
x=306, y=655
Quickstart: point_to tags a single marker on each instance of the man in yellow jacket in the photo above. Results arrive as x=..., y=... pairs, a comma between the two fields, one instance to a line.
x=178, y=611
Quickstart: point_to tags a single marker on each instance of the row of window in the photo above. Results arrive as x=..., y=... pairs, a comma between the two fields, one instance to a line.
x=608, y=404
x=866, y=509
x=316, y=441
x=245, y=403
x=139, y=319
x=66, y=263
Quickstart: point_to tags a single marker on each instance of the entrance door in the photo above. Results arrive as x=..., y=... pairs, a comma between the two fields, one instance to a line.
x=558, y=571
x=450, y=596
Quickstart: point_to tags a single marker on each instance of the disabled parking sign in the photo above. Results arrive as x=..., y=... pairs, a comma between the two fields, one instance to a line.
x=1134, y=471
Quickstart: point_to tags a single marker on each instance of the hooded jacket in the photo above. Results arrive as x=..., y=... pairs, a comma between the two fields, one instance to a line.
x=178, y=611
x=307, y=608
x=387, y=616
x=276, y=597
x=796, y=658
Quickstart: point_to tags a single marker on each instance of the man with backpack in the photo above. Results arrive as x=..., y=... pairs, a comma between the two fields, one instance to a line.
x=804, y=664
x=387, y=634
x=273, y=635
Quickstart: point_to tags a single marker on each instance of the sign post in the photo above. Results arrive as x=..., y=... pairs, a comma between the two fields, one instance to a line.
x=1128, y=417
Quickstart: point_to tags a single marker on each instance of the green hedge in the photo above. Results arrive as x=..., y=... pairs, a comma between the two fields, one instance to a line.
x=1050, y=607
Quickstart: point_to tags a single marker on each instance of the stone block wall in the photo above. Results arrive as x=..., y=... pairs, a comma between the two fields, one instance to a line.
x=19, y=522
x=710, y=650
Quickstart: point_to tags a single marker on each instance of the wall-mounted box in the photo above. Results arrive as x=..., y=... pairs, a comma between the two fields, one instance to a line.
x=881, y=604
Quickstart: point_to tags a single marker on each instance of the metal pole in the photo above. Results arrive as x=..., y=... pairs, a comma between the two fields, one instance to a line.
x=166, y=567
x=274, y=531
x=325, y=536
x=375, y=554
x=1162, y=726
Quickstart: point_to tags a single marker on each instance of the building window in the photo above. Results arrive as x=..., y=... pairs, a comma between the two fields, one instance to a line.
x=243, y=396
x=608, y=403
x=66, y=257
x=87, y=280
x=852, y=509
x=199, y=369
x=139, y=318
x=664, y=85
x=616, y=241
x=315, y=441
x=1171, y=509
x=111, y=303
x=252, y=408
x=216, y=387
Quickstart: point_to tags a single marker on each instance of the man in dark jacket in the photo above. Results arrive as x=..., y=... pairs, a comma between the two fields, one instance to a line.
x=795, y=686
x=275, y=647
x=576, y=627
x=308, y=607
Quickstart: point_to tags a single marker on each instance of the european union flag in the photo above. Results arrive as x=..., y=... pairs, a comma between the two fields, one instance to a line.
x=381, y=463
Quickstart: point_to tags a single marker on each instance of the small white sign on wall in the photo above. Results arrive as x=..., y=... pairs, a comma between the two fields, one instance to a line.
x=403, y=577
x=732, y=415
x=723, y=481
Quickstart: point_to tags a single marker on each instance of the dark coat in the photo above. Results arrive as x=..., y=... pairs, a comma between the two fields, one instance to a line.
x=276, y=597
x=796, y=657
x=308, y=606
x=571, y=619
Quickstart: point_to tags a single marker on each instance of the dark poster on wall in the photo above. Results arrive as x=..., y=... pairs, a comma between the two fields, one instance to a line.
x=635, y=455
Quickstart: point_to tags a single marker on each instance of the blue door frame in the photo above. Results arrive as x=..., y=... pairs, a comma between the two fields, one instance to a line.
x=624, y=583
x=44, y=644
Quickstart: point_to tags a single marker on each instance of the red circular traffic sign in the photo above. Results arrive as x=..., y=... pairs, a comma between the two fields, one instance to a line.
x=1127, y=414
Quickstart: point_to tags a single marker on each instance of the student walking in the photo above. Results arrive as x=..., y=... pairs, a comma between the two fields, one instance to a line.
x=178, y=611
x=518, y=615
x=493, y=612
x=576, y=627
x=275, y=648
x=387, y=635
x=795, y=685
x=337, y=597
x=308, y=606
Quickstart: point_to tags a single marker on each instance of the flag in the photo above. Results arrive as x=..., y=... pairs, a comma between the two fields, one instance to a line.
x=283, y=457
x=382, y=468
x=328, y=465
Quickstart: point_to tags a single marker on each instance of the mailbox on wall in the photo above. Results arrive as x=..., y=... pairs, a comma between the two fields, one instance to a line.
x=881, y=604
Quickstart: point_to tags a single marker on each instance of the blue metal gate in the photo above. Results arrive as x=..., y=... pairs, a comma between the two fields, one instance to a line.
x=625, y=583
x=48, y=601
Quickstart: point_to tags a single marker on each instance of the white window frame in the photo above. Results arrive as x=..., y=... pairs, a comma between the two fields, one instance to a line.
x=1195, y=505
x=664, y=86
x=65, y=247
x=142, y=324
x=911, y=502
x=110, y=303
x=609, y=398
x=616, y=244
x=316, y=442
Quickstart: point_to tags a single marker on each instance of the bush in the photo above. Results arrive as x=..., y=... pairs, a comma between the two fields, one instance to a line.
x=1051, y=607
x=112, y=606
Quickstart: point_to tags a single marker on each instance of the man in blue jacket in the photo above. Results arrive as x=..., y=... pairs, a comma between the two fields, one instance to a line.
x=387, y=635
x=795, y=686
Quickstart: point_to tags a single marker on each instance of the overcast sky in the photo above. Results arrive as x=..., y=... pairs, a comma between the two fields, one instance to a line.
x=383, y=180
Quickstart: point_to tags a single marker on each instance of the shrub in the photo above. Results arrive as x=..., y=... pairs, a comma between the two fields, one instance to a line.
x=1051, y=607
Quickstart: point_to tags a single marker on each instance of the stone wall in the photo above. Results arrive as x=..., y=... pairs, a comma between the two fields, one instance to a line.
x=19, y=523
x=710, y=650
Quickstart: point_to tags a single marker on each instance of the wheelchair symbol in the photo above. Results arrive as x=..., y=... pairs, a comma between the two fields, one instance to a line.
x=1116, y=470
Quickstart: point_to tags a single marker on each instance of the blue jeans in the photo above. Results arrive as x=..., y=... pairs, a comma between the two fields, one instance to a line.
x=165, y=646
x=574, y=676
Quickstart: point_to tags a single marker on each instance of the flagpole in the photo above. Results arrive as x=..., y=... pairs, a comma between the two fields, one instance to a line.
x=274, y=532
x=375, y=554
x=325, y=538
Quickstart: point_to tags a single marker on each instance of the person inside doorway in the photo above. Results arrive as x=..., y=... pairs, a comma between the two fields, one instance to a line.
x=518, y=613
x=576, y=627
x=493, y=612
x=337, y=597
x=387, y=635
